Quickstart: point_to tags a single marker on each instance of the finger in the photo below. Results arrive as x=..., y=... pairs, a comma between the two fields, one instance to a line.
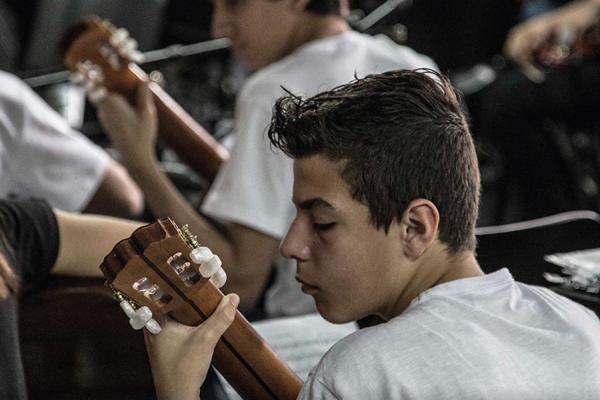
x=113, y=102
x=162, y=319
x=145, y=100
x=97, y=94
x=210, y=331
x=148, y=339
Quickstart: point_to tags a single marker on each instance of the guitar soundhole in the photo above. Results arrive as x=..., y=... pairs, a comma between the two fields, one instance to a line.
x=183, y=269
x=152, y=291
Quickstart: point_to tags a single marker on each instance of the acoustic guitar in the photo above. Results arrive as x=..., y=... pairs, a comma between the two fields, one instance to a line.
x=91, y=50
x=152, y=268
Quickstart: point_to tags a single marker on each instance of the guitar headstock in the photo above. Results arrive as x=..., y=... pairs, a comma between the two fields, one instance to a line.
x=155, y=268
x=162, y=267
x=96, y=51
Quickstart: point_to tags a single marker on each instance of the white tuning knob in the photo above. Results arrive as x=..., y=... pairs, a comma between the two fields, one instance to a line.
x=97, y=94
x=153, y=326
x=140, y=318
x=210, y=267
x=118, y=37
x=76, y=77
x=219, y=278
x=200, y=255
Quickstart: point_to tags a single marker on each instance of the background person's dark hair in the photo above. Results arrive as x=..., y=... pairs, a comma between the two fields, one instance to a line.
x=402, y=136
x=324, y=6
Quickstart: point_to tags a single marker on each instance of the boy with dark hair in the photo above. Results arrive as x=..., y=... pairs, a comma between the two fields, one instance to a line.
x=305, y=46
x=386, y=188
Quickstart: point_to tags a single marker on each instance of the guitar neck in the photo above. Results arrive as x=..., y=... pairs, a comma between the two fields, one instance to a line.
x=89, y=43
x=242, y=356
x=192, y=143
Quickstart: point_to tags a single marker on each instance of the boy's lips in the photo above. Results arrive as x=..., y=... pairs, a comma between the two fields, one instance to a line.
x=307, y=287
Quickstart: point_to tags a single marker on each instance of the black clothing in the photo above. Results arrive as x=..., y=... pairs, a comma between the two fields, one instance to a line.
x=517, y=114
x=29, y=240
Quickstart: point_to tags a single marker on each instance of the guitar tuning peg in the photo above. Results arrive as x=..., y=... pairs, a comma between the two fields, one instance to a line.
x=88, y=85
x=91, y=77
x=153, y=326
x=130, y=44
x=94, y=91
x=127, y=48
x=95, y=74
x=200, y=255
x=127, y=308
x=210, y=267
x=118, y=37
x=76, y=77
x=140, y=318
x=157, y=77
x=219, y=278
x=97, y=94
x=137, y=57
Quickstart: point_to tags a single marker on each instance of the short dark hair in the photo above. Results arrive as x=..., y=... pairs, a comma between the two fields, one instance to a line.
x=324, y=6
x=402, y=136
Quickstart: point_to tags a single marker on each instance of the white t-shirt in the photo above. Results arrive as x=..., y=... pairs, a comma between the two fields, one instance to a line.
x=479, y=338
x=255, y=187
x=40, y=155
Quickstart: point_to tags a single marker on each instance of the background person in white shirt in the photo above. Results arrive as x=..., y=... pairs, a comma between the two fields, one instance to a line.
x=386, y=188
x=42, y=156
x=303, y=45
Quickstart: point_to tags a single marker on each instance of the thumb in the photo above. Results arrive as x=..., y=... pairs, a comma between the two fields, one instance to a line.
x=215, y=326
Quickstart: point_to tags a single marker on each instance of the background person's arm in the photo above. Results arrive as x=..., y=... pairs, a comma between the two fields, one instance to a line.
x=525, y=38
x=117, y=194
x=85, y=240
x=247, y=254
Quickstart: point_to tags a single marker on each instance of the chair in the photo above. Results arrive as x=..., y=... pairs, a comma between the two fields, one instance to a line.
x=521, y=248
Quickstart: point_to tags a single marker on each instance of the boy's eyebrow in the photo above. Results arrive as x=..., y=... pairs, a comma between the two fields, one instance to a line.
x=314, y=203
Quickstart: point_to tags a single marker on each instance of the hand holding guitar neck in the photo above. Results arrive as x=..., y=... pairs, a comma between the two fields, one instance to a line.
x=102, y=58
x=180, y=356
x=164, y=269
x=562, y=37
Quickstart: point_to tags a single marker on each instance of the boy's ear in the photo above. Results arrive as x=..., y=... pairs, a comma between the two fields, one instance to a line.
x=420, y=223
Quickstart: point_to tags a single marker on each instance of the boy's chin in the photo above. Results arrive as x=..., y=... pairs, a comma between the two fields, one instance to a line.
x=336, y=316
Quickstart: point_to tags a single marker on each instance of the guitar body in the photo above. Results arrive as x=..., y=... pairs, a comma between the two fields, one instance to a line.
x=152, y=268
x=90, y=43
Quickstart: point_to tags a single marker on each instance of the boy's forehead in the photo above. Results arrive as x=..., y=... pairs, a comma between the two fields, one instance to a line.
x=316, y=177
x=313, y=171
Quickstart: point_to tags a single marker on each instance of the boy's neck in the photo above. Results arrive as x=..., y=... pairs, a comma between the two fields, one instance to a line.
x=439, y=267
